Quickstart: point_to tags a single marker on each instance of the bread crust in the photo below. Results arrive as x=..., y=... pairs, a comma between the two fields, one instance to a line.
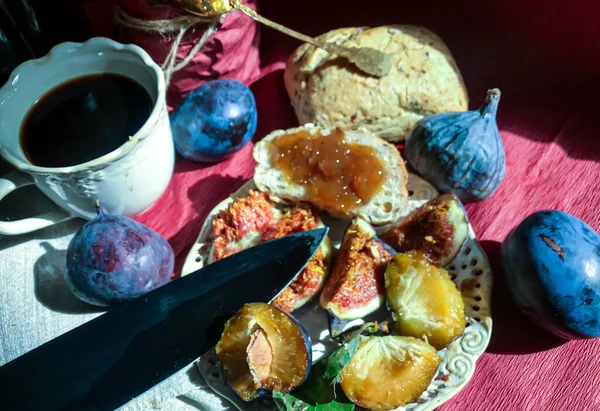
x=330, y=92
x=388, y=205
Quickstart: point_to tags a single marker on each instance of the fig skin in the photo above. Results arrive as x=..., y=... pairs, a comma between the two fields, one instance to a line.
x=460, y=152
x=424, y=300
x=354, y=287
x=291, y=355
x=113, y=259
x=439, y=228
x=388, y=372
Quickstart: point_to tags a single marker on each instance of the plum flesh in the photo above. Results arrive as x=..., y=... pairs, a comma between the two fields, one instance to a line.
x=388, y=372
x=424, y=300
x=263, y=349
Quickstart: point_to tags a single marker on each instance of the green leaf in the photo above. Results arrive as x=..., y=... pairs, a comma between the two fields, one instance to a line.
x=319, y=392
x=287, y=402
x=317, y=388
x=336, y=362
x=332, y=406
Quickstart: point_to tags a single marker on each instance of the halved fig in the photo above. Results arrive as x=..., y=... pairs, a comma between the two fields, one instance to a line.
x=242, y=225
x=312, y=278
x=254, y=219
x=438, y=228
x=264, y=349
x=425, y=303
x=388, y=372
x=354, y=287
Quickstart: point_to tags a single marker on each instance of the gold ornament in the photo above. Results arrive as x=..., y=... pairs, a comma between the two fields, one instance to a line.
x=204, y=8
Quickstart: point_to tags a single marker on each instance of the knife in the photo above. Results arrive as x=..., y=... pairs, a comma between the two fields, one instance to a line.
x=117, y=356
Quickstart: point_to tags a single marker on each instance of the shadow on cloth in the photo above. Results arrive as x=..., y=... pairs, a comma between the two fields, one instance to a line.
x=51, y=289
x=513, y=332
x=55, y=231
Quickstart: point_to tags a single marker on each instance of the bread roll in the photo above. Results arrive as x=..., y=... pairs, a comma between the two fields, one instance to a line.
x=330, y=92
x=385, y=205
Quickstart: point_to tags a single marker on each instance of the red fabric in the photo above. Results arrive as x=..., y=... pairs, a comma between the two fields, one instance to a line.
x=545, y=57
x=232, y=52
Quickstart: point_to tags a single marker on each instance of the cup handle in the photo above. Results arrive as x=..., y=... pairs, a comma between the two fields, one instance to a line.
x=13, y=181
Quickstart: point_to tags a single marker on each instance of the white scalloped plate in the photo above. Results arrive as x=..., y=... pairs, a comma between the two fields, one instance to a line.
x=470, y=271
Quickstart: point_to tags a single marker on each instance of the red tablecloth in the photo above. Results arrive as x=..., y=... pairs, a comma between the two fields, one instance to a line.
x=545, y=57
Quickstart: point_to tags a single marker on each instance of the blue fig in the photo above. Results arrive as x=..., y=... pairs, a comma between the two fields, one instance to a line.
x=113, y=259
x=264, y=349
x=461, y=152
x=551, y=265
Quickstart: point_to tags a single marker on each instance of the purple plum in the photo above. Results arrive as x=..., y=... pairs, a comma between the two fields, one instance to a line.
x=113, y=259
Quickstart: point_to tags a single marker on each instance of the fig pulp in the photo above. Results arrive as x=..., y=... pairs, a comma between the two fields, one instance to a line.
x=254, y=219
x=113, y=259
x=354, y=288
x=388, y=372
x=424, y=300
x=264, y=349
x=438, y=228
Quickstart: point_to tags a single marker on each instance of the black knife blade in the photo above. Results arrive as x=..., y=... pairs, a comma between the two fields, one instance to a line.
x=117, y=356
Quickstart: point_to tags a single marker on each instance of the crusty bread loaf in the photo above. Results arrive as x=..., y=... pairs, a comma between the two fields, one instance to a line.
x=329, y=92
x=386, y=206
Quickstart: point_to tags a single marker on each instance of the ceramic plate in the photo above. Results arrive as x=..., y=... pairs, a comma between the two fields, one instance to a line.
x=470, y=271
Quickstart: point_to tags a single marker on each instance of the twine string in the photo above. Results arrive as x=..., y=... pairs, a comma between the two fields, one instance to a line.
x=180, y=25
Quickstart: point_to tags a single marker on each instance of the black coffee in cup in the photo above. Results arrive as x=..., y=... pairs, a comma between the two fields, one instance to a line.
x=84, y=119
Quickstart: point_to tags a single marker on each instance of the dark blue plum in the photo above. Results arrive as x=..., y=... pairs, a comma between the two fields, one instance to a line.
x=113, y=259
x=551, y=265
x=214, y=121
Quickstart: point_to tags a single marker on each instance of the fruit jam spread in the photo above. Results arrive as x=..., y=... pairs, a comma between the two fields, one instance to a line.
x=336, y=174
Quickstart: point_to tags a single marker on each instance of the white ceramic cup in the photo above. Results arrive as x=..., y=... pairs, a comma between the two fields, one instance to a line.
x=127, y=180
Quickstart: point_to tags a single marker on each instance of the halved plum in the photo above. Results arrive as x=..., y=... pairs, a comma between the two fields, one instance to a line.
x=424, y=300
x=439, y=228
x=254, y=219
x=354, y=287
x=388, y=372
x=264, y=349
